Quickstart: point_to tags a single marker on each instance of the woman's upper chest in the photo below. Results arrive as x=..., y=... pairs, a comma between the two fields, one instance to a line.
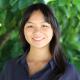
x=35, y=67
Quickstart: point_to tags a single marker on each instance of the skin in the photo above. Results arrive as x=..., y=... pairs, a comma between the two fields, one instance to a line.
x=38, y=33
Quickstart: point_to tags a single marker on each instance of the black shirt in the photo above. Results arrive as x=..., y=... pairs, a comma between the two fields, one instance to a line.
x=18, y=70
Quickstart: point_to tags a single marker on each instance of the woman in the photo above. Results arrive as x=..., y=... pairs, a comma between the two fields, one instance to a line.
x=43, y=58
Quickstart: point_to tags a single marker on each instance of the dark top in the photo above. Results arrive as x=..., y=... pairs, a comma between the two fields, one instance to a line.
x=18, y=70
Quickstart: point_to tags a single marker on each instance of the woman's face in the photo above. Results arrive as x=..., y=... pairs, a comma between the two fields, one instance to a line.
x=38, y=33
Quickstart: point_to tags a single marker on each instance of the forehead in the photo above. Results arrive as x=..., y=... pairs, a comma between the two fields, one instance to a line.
x=36, y=16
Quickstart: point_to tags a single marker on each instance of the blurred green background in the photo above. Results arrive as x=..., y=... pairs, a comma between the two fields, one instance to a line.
x=67, y=13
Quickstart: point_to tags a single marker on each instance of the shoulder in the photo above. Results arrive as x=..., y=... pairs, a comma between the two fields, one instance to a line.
x=12, y=63
x=71, y=73
x=6, y=71
x=10, y=68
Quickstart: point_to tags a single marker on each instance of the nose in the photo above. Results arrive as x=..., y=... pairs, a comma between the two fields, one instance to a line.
x=38, y=31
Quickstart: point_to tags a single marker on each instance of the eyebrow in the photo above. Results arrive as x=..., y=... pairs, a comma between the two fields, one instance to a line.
x=29, y=22
x=40, y=22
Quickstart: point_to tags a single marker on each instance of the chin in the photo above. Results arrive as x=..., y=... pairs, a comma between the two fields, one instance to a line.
x=40, y=46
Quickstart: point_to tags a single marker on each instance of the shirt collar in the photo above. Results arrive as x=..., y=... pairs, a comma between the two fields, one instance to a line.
x=22, y=60
x=47, y=69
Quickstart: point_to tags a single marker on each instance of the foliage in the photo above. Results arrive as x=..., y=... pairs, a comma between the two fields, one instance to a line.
x=67, y=13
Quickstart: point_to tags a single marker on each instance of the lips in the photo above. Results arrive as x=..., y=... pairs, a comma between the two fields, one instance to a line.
x=38, y=39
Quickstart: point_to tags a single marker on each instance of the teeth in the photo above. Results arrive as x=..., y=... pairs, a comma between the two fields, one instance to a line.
x=37, y=38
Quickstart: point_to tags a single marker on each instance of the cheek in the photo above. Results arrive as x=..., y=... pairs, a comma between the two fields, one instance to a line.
x=27, y=36
x=50, y=35
x=49, y=32
x=26, y=33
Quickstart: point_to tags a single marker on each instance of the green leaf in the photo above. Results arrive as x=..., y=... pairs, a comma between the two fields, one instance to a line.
x=2, y=30
x=2, y=22
x=77, y=4
x=24, y=3
x=63, y=2
x=3, y=16
x=13, y=2
x=14, y=34
x=4, y=4
x=14, y=7
x=16, y=49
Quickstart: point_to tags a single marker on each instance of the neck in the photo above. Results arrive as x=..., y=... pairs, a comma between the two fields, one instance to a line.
x=39, y=54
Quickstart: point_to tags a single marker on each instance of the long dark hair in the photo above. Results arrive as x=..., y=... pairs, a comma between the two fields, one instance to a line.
x=54, y=46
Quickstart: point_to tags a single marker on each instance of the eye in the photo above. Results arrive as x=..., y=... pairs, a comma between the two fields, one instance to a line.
x=44, y=26
x=29, y=26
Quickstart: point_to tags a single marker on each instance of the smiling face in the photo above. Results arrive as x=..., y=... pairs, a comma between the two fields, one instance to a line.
x=38, y=33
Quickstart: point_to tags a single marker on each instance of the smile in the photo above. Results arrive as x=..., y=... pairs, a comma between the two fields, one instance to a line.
x=38, y=39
